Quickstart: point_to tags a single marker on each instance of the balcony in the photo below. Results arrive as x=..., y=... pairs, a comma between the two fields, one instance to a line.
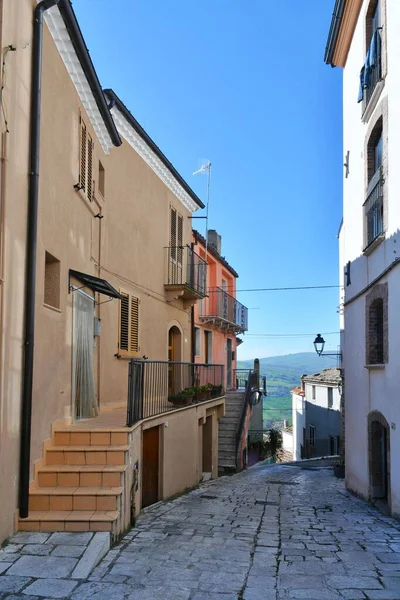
x=372, y=72
x=186, y=273
x=224, y=311
x=373, y=211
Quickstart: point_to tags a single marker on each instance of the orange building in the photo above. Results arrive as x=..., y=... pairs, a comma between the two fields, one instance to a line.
x=219, y=317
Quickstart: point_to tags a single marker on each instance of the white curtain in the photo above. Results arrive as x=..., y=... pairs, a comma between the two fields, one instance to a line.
x=83, y=375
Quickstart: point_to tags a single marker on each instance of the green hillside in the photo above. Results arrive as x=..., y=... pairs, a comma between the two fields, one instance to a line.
x=283, y=374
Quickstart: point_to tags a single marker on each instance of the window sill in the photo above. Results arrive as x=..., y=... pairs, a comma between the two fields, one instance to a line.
x=375, y=367
x=50, y=307
x=373, y=101
x=374, y=244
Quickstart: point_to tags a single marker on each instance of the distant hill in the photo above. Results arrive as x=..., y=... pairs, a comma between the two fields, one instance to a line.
x=283, y=374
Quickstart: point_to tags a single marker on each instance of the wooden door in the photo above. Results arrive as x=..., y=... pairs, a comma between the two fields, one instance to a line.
x=150, y=466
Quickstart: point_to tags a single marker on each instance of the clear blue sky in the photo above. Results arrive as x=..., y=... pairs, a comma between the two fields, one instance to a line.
x=244, y=85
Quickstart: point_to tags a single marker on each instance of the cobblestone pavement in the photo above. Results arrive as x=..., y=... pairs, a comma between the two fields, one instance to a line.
x=271, y=533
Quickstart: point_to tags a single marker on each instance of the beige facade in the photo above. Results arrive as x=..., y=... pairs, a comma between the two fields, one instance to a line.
x=118, y=231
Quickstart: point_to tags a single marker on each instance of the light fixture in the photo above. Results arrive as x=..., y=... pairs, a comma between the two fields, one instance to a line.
x=319, y=344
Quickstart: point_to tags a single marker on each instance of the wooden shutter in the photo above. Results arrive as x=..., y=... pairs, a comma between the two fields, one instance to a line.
x=134, y=325
x=180, y=239
x=89, y=168
x=129, y=324
x=124, y=323
x=82, y=161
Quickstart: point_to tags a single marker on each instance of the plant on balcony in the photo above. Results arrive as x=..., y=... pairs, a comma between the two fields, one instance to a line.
x=204, y=392
x=216, y=390
x=180, y=398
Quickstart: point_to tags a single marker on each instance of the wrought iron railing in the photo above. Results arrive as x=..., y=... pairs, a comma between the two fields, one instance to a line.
x=223, y=306
x=157, y=387
x=186, y=268
x=241, y=377
x=373, y=210
x=374, y=73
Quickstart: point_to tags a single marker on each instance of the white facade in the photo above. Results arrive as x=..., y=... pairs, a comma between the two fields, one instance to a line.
x=372, y=409
x=316, y=415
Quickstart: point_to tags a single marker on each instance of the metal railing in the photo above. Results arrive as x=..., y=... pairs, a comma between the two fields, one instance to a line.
x=241, y=377
x=157, y=387
x=252, y=387
x=373, y=210
x=186, y=268
x=374, y=74
x=223, y=306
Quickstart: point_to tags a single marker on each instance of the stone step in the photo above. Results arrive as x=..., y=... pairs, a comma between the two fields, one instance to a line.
x=75, y=499
x=81, y=475
x=88, y=520
x=86, y=455
x=90, y=437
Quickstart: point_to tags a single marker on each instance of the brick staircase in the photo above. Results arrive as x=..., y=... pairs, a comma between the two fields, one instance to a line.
x=82, y=485
x=228, y=426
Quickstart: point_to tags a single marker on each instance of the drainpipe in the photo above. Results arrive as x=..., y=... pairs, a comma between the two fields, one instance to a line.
x=193, y=348
x=32, y=228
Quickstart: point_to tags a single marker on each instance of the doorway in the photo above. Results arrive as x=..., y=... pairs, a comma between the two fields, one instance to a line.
x=229, y=363
x=83, y=382
x=150, y=466
x=207, y=446
x=379, y=460
x=174, y=355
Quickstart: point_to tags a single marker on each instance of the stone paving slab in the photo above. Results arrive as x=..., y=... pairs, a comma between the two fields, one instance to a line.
x=270, y=533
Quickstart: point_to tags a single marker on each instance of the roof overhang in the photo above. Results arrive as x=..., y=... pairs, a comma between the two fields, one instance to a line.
x=66, y=33
x=142, y=143
x=94, y=283
x=343, y=24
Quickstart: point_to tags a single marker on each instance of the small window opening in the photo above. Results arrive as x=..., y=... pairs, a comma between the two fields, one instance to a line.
x=102, y=180
x=52, y=281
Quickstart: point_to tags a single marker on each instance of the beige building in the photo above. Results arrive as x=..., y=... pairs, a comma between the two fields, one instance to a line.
x=114, y=279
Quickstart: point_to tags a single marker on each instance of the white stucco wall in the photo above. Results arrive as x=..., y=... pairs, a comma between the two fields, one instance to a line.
x=299, y=421
x=321, y=395
x=287, y=441
x=367, y=389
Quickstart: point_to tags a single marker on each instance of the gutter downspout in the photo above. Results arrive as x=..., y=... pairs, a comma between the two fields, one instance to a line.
x=193, y=348
x=32, y=226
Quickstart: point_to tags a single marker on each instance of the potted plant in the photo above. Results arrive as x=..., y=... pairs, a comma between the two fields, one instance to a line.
x=204, y=392
x=339, y=469
x=216, y=390
x=180, y=398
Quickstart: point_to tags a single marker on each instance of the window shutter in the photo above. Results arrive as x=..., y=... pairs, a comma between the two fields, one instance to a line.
x=180, y=239
x=82, y=166
x=173, y=228
x=89, y=168
x=124, y=322
x=134, y=325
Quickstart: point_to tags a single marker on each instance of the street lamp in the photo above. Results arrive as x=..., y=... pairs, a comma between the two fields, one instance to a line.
x=319, y=344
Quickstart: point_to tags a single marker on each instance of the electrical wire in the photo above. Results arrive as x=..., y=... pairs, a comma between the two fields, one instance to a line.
x=290, y=335
x=282, y=289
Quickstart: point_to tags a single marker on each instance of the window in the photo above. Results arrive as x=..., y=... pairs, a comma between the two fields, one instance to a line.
x=376, y=330
x=197, y=341
x=102, y=180
x=313, y=392
x=51, y=281
x=128, y=324
x=207, y=347
x=312, y=435
x=373, y=206
x=333, y=445
x=330, y=397
x=377, y=325
x=86, y=161
x=371, y=72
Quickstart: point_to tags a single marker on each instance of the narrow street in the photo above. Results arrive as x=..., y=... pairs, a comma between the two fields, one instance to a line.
x=270, y=533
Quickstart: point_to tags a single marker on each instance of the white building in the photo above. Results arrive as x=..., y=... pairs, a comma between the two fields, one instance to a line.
x=316, y=415
x=364, y=39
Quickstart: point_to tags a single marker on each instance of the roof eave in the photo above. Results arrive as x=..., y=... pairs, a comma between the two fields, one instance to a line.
x=78, y=42
x=148, y=140
x=334, y=32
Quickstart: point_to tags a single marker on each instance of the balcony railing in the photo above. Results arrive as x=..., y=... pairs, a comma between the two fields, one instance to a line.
x=157, y=387
x=373, y=210
x=186, y=271
x=224, y=310
x=372, y=73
